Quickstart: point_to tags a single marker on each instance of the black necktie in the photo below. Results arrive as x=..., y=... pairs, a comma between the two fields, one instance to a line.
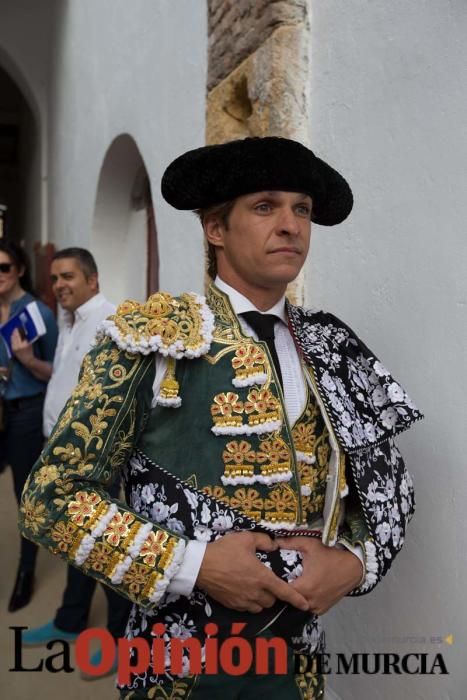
x=263, y=325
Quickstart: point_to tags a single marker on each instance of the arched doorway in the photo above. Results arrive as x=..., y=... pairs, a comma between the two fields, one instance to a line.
x=19, y=159
x=23, y=179
x=124, y=239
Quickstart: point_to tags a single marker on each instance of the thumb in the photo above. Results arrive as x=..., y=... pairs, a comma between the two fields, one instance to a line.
x=264, y=542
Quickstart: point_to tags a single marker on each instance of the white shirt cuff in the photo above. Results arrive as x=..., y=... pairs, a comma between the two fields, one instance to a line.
x=184, y=580
x=358, y=551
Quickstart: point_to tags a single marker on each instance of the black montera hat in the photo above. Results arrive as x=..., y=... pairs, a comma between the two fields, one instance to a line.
x=214, y=174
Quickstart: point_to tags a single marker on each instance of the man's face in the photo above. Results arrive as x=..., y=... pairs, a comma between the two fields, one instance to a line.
x=72, y=288
x=266, y=241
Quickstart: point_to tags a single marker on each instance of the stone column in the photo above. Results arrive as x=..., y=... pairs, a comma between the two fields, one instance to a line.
x=259, y=74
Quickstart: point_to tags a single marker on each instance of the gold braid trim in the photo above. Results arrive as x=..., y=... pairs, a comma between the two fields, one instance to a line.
x=176, y=326
x=101, y=510
x=75, y=545
x=128, y=541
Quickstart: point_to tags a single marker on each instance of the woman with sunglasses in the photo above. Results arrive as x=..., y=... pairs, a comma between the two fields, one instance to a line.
x=23, y=381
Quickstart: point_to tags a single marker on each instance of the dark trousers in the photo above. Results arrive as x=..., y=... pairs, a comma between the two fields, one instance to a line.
x=21, y=443
x=72, y=615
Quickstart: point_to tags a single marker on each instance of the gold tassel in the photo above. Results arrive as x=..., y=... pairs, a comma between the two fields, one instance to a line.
x=168, y=393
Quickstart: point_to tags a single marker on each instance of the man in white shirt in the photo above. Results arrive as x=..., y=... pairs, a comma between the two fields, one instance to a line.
x=75, y=283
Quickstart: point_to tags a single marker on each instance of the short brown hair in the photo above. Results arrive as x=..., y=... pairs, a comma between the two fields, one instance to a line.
x=222, y=211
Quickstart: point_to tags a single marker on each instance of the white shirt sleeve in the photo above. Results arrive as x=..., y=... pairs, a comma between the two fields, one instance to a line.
x=358, y=551
x=184, y=580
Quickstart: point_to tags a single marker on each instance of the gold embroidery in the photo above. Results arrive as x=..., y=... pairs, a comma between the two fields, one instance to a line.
x=261, y=406
x=46, y=475
x=118, y=528
x=235, y=456
x=342, y=480
x=281, y=504
x=167, y=554
x=99, y=557
x=83, y=507
x=106, y=356
x=249, y=501
x=172, y=690
x=72, y=455
x=273, y=457
x=220, y=305
x=117, y=373
x=99, y=511
x=123, y=441
x=98, y=423
x=115, y=559
x=137, y=577
x=311, y=441
x=76, y=543
x=224, y=407
x=192, y=481
x=304, y=437
x=86, y=389
x=171, y=319
x=311, y=684
x=249, y=361
x=152, y=580
x=129, y=539
x=63, y=533
x=63, y=487
x=169, y=386
x=179, y=690
x=153, y=547
x=216, y=492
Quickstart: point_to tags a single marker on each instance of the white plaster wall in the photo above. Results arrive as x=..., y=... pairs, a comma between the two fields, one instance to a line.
x=389, y=109
x=137, y=68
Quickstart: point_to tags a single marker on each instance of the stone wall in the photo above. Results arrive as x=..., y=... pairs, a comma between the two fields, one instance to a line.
x=259, y=73
x=237, y=28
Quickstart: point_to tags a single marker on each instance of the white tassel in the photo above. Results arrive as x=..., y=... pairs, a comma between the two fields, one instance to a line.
x=140, y=538
x=84, y=550
x=266, y=427
x=259, y=378
x=104, y=520
x=162, y=584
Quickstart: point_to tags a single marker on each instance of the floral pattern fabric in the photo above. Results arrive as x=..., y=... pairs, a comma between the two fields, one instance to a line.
x=156, y=494
x=365, y=403
x=367, y=409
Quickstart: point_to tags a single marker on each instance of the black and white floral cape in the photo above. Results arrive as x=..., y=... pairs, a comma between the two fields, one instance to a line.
x=367, y=409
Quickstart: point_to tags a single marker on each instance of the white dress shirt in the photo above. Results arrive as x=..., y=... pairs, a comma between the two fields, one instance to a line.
x=75, y=339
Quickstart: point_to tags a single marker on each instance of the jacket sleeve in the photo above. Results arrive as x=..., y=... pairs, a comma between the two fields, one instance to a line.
x=65, y=505
x=355, y=536
x=380, y=508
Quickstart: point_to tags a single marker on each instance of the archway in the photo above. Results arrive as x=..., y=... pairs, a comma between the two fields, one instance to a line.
x=19, y=163
x=124, y=239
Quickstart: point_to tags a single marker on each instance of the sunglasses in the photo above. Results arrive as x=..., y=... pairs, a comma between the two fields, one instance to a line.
x=6, y=267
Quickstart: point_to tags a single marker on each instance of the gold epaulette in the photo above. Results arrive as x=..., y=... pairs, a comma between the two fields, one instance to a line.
x=174, y=326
